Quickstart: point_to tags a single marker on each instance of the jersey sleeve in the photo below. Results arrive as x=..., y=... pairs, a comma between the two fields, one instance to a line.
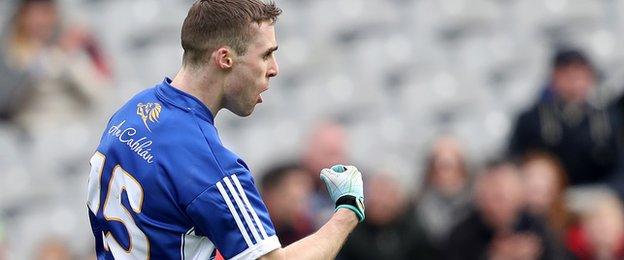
x=232, y=215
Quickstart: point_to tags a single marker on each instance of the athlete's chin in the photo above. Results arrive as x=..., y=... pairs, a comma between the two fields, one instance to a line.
x=244, y=113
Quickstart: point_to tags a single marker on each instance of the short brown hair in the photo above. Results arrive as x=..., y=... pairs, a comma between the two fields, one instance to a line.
x=214, y=23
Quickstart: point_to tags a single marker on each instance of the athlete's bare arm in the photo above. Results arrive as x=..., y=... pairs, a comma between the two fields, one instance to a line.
x=324, y=243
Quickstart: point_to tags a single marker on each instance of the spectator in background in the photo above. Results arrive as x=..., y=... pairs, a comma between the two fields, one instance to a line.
x=618, y=108
x=600, y=234
x=55, y=87
x=286, y=191
x=617, y=183
x=545, y=184
x=445, y=193
x=564, y=122
x=619, y=105
x=53, y=249
x=499, y=228
x=61, y=70
x=326, y=145
x=390, y=230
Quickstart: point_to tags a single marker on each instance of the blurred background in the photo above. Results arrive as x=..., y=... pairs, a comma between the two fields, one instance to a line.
x=484, y=128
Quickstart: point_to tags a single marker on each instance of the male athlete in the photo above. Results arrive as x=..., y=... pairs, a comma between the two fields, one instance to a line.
x=163, y=186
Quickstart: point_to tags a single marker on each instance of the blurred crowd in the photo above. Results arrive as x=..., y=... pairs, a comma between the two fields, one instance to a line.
x=555, y=193
x=56, y=84
x=554, y=189
x=520, y=205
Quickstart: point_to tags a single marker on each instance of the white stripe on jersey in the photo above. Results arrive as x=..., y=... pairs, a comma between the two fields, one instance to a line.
x=195, y=247
x=253, y=212
x=183, y=242
x=240, y=225
x=243, y=208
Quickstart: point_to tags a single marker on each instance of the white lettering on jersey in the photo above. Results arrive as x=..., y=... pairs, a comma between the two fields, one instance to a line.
x=139, y=146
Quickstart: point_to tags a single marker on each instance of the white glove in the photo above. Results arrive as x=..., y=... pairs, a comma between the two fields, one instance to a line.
x=345, y=186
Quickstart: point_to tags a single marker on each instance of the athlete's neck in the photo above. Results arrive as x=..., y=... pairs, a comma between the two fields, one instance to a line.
x=200, y=85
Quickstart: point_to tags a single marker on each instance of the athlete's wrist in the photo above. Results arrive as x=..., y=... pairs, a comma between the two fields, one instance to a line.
x=350, y=202
x=346, y=216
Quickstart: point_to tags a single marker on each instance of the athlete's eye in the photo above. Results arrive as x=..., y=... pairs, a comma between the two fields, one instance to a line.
x=269, y=53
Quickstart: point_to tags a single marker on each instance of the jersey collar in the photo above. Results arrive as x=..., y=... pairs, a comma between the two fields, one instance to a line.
x=183, y=100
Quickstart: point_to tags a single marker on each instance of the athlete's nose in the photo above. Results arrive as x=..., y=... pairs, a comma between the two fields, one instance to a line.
x=273, y=69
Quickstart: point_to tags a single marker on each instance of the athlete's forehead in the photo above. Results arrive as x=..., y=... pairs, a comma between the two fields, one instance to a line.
x=264, y=36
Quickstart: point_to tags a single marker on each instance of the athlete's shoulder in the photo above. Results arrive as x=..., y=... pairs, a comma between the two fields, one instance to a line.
x=171, y=129
x=172, y=132
x=150, y=113
x=125, y=125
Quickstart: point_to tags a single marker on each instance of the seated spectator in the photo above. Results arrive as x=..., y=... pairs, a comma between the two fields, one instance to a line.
x=54, y=91
x=600, y=233
x=499, y=228
x=619, y=105
x=15, y=88
x=389, y=231
x=445, y=193
x=60, y=70
x=326, y=146
x=286, y=190
x=565, y=123
x=545, y=185
x=617, y=182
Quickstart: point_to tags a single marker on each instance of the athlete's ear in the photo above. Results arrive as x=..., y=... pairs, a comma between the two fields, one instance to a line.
x=223, y=58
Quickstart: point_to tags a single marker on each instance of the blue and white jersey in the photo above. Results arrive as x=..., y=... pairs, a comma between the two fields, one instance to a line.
x=163, y=186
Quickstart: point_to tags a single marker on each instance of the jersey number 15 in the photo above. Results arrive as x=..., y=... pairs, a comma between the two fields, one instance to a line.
x=115, y=211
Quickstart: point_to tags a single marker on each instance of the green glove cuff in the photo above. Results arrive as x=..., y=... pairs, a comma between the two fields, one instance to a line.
x=350, y=202
x=358, y=213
